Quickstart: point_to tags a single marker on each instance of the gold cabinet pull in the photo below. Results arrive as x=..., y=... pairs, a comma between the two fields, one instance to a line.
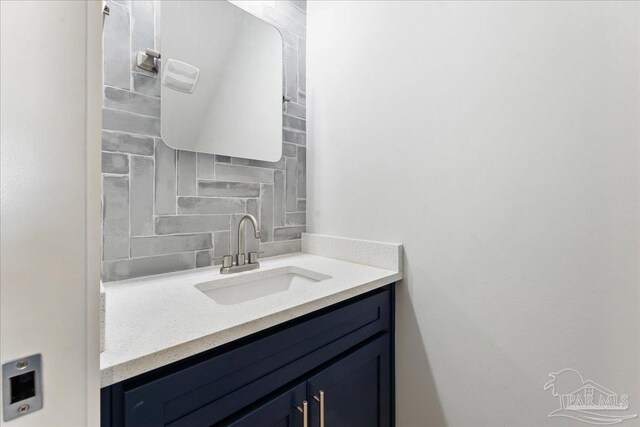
x=321, y=401
x=305, y=413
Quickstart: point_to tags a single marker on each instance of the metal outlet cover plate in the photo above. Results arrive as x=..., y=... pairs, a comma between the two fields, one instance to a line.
x=15, y=368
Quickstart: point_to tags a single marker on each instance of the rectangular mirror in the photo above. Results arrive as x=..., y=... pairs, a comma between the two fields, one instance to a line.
x=221, y=74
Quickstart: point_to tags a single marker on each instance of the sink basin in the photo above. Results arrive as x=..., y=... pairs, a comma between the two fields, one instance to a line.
x=258, y=284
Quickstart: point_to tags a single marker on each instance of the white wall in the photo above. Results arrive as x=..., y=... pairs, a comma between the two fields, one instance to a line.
x=50, y=214
x=500, y=143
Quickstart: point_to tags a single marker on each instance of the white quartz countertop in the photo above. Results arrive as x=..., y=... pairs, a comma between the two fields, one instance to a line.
x=157, y=320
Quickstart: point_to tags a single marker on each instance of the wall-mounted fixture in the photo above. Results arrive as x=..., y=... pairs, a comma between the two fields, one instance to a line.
x=147, y=60
x=21, y=387
x=180, y=76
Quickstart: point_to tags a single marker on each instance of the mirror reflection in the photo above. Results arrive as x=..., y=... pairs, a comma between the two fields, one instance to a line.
x=221, y=73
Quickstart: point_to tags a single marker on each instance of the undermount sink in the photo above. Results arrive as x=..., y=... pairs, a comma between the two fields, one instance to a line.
x=249, y=286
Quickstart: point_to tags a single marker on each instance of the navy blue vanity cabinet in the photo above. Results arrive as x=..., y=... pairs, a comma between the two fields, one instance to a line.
x=344, y=351
x=286, y=410
x=354, y=391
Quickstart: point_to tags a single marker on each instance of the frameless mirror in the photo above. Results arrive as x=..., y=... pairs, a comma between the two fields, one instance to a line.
x=221, y=74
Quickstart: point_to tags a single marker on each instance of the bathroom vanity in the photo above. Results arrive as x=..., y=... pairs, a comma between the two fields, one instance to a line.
x=306, y=340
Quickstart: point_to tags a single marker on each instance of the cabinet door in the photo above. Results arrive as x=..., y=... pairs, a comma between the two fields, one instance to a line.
x=281, y=411
x=356, y=389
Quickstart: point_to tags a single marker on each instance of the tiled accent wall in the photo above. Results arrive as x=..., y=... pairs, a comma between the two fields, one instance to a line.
x=167, y=210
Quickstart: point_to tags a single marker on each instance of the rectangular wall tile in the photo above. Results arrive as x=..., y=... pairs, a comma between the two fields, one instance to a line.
x=228, y=189
x=302, y=205
x=223, y=159
x=127, y=143
x=290, y=59
x=266, y=213
x=191, y=224
x=141, y=196
x=205, y=165
x=295, y=123
x=295, y=137
x=226, y=172
x=115, y=217
x=115, y=163
x=129, y=122
x=302, y=98
x=280, y=248
x=132, y=102
x=278, y=198
x=142, y=30
x=296, y=218
x=258, y=163
x=186, y=173
x=221, y=244
x=289, y=150
x=157, y=245
x=146, y=85
x=116, y=47
x=302, y=65
x=204, y=259
x=253, y=208
x=301, y=171
x=291, y=184
x=165, y=180
x=137, y=267
x=210, y=205
x=296, y=110
x=288, y=233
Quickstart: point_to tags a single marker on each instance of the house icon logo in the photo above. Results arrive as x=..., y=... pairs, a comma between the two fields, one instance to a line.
x=586, y=400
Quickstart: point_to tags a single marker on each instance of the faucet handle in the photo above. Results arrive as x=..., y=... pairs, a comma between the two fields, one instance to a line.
x=227, y=260
x=253, y=257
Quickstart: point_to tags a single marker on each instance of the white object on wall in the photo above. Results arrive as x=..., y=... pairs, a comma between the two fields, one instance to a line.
x=50, y=178
x=498, y=141
x=180, y=76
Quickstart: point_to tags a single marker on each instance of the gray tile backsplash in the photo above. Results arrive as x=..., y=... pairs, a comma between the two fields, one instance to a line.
x=176, y=224
x=127, y=143
x=132, y=102
x=159, y=245
x=115, y=163
x=146, y=266
x=115, y=47
x=288, y=233
x=168, y=210
x=225, y=172
x=123, y=121
x=141, y=208
x=228, y=189
x=115, y=217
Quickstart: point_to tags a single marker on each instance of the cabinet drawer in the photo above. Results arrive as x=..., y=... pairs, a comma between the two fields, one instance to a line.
x=210, y=390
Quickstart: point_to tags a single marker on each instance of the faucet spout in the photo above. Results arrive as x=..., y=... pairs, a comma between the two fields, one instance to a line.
x=241, y=236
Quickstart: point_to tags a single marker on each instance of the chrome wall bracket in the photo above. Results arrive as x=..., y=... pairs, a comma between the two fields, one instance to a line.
x=147, y=60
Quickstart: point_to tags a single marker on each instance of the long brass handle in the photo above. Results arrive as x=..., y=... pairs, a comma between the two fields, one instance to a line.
x=305, y=413
x=321, y=401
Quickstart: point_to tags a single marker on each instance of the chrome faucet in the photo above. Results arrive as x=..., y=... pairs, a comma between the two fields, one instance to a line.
x=241, y=259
